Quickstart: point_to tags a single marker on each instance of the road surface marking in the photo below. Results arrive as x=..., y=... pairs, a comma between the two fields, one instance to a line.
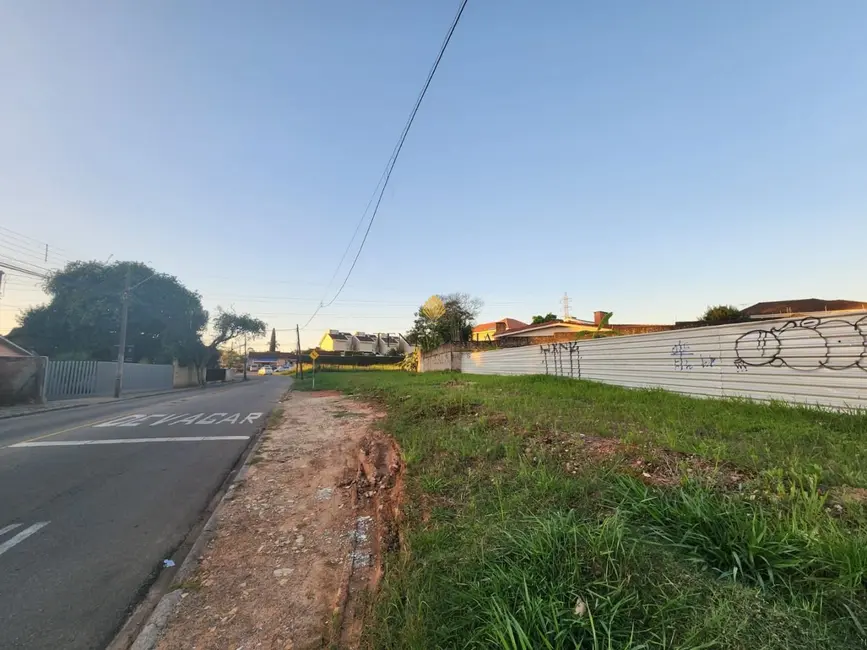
x=124, y=441
x=75, y=428
x=211, y=419
x=20, y=537
x=171, y=419
x=102, y=422
x=6, y=529
x=188, y=420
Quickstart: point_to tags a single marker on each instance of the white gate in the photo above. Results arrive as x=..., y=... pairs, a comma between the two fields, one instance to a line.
x=72, y=379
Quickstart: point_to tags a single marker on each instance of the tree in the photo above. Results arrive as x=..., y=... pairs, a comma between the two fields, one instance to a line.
x=452, y=322
x=272, y=346
x=721, y=314
x=537, y=320
x=229, y=325
x=82, y=317
x=231, y=359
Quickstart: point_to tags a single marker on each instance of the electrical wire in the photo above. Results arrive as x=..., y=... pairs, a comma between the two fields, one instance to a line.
x=396, y=153
x=25, y=239
x=13, y=247
x=13, y=267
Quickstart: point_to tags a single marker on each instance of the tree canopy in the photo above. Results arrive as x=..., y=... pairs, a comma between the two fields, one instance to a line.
x=547, y=318
x=82, y=317
x=229, y=325
x=165, y=320
x=721, y=314
x=452, y=323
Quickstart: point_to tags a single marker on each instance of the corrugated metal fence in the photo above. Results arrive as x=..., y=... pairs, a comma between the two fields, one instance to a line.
x=71, y=379
x=819, y=360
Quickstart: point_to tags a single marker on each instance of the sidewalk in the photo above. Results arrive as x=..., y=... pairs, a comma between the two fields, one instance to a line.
x=297, y=544
x=64, y=404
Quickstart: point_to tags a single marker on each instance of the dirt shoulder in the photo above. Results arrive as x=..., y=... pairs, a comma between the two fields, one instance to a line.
x=299, y=539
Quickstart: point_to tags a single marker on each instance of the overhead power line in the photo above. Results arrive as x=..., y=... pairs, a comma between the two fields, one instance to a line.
x=35, y=244
x=394, y=156
x=19, y=269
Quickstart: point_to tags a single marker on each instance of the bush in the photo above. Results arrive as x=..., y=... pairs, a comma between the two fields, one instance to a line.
x=721, y=314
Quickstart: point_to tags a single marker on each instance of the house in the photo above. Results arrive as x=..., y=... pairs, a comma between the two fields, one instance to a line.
x=256, y=360
x=395, y=341
x=404, y=346
x=363, y=343
x=554, y=330
x=488, y=331
x=629, y=328
x=336, y=341
x=385, y=343
x=10, y=349
x=784, y=308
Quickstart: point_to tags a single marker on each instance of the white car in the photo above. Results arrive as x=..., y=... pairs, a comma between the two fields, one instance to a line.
x=266, y=370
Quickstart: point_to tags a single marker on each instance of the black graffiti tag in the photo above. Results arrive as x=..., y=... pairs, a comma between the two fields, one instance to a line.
x=562, y=359
x=806, y=344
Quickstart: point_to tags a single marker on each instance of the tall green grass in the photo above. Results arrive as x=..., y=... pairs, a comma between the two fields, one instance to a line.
x=753, y=435
x=506, y=550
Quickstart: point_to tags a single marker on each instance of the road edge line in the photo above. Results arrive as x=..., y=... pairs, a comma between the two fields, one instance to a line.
x=143, y=628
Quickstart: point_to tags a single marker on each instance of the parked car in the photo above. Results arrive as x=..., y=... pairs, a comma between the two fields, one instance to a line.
x=266, y=370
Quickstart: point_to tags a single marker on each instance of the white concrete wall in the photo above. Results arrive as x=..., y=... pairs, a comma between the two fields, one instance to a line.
x=21, y=379
x=185, y=376
x=817, y=360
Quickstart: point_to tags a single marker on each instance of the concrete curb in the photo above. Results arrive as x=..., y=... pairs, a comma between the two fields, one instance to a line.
x=156, y=622
x=107, y=400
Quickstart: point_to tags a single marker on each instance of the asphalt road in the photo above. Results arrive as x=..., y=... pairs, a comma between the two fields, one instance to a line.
x=93, y=499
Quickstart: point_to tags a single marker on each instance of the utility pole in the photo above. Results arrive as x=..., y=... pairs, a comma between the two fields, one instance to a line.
x=566, y=307
x=121, y=349
x=298, y=368
x=245, y=356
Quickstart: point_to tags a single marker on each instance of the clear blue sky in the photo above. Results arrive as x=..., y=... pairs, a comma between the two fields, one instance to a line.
x=648, y=158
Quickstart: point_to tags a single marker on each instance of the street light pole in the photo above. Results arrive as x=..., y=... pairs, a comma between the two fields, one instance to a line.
x=121, y=349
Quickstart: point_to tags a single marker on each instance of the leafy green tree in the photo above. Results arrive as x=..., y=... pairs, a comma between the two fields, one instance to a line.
x=452, y=324
x=229, y=358
x=547, y=318
x=272, y=346
x=82, y=317
x=721, y=314
x=229, y=325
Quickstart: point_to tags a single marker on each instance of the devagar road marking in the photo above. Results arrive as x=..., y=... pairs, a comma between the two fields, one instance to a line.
x=20, y=537
x=171, y=419
x=125, y=441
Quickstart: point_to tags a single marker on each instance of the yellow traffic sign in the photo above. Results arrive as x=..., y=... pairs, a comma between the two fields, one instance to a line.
x=314, y=355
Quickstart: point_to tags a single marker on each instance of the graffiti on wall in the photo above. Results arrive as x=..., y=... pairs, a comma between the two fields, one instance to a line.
x=686, y=359
x=562, y=359
x=805, y=344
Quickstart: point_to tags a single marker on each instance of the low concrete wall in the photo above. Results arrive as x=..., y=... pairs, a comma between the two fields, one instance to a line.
x=22, y=379
x=440, y=360
x=186, y=376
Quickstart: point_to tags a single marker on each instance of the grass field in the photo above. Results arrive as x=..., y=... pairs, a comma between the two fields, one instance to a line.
x=553, y=513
